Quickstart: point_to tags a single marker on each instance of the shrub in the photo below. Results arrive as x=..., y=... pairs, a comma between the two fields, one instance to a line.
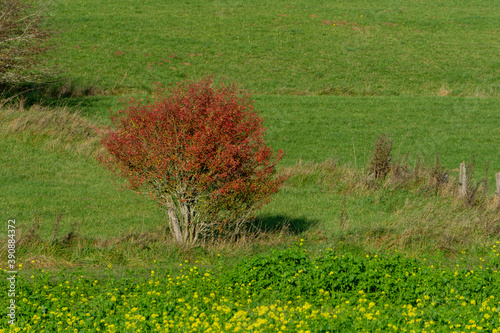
x=380, y=164
x=200, y=153
x=22, y=39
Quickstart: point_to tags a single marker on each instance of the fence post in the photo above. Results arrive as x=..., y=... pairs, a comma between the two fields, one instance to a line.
x=497, y=197
x=463, y=180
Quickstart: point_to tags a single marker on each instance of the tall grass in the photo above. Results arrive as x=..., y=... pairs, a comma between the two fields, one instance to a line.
x=55, y=128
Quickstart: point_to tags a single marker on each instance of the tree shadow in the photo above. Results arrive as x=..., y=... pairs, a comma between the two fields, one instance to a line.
x=56, y=93
x=87, y=100
x=270, y=223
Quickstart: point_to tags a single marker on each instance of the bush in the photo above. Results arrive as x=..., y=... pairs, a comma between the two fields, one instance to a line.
x=200, y=153
x=380, y=164
x=22, y=40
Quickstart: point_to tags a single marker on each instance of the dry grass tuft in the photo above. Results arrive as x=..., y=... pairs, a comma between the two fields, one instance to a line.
x=55, y=128
x=380, y=164
x=421, y=206
x=46, y=261
x=133, y=248
x=444, y=91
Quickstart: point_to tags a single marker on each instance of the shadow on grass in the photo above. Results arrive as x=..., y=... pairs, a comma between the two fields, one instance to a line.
x=60, y=92
x=271, y=223
x=90, y=101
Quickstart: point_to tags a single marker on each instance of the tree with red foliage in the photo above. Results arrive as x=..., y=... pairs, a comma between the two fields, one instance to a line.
x=200, y=153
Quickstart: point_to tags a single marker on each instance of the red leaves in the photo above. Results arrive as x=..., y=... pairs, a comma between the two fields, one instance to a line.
x=203, y=141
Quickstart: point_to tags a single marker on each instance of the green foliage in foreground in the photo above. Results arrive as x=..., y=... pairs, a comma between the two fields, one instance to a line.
x=287, y=291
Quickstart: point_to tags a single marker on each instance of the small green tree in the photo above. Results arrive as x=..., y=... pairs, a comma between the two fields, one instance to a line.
x=22, y=40
x=200, y=153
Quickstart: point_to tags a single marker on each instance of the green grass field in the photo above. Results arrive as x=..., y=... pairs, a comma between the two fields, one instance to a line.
x=328, y=78
x=319, y=47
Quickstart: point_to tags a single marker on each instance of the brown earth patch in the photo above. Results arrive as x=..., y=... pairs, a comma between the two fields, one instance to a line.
x=443, y=91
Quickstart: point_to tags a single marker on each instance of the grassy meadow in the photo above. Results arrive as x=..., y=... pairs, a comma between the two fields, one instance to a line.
x=337, y=251
x=381, y=48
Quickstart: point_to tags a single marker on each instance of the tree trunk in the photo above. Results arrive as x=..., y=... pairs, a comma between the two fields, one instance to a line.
x=183, y=219
x=174, y=221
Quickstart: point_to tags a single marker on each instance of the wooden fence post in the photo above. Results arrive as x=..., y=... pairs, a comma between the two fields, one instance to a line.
x=462, y=180
x=497, y=197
